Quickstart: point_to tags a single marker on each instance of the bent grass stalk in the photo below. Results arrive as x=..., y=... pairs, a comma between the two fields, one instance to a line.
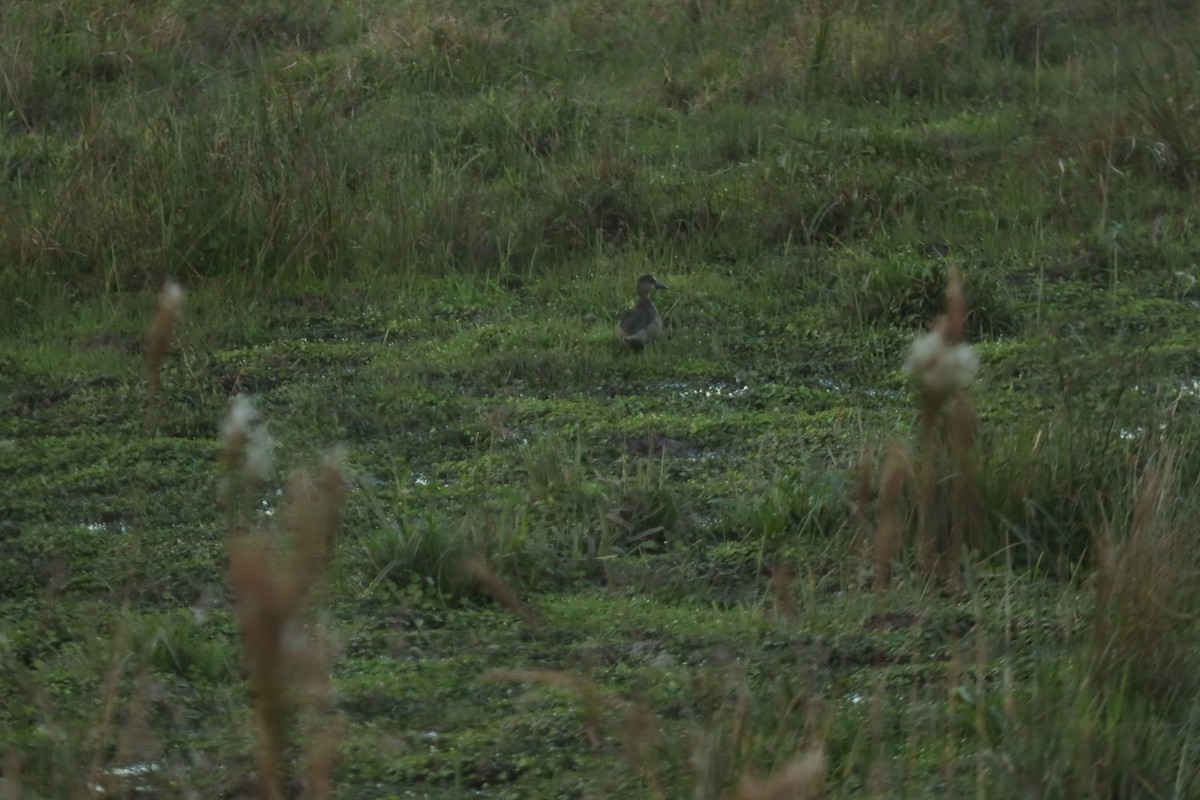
x=940, y=366
x=276, y=582
x=158, y=340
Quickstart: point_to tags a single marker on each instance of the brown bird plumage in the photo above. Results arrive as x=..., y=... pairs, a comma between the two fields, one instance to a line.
x=640, y=325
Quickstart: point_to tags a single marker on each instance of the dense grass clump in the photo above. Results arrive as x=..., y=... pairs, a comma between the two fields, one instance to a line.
x=900, y=503
x=259, y=143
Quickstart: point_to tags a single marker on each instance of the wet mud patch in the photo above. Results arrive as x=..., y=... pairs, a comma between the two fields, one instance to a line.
x=29, y=401
x=900, y=636
x=653, y=444
x=268, y=366
x=122, y=343
x=331, y=330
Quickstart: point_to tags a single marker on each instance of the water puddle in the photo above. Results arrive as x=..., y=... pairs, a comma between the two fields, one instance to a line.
x=120, y=775
x=885, y=394
x=826, y=384
x=1191, y=386
x=832, y=386
x=111, y=526
x=1129, y=434
x=424, y=480
x=1187, y=387
x=403, y=481
x=720, y=389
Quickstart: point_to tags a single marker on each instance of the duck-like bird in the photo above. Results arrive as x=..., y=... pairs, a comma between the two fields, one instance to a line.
x=640, y=325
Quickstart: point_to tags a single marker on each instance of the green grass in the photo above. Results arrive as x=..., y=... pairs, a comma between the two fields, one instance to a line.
x=564, y=570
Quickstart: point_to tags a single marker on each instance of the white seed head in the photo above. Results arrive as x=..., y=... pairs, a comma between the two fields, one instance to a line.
x=244, y=433
x=242, y=416
x=937, y=367
x=171, y=297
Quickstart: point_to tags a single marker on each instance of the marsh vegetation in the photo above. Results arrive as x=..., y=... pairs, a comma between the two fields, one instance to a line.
x=901, y=503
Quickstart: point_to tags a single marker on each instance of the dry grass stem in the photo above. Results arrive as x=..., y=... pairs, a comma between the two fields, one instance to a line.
x=500, y=591
x=313, y=517
x=801, y=777
x=864, y=490
x=591, y=700
x=896, y=470
x=158, y=340
x=1146, y=579
x=640, y=736
x=10, y=778
x=262, y=612
x=274, y=582
x=322, y=730
x=953, y=324
x=941, y=365
x=782, y=578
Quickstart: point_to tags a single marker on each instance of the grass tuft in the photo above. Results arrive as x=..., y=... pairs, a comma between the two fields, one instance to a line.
x=276, y=581
x=808, y=547
x=1147, y=602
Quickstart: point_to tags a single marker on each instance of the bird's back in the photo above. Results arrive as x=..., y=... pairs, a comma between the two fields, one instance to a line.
x=639, y=325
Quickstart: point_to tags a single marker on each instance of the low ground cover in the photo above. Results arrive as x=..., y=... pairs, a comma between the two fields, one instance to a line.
x=756, y=560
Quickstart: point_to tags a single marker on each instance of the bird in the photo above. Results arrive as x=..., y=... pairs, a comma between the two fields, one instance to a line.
x=640, y=325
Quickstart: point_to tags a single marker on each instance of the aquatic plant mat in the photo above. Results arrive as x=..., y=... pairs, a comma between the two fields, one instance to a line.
x=323, y=473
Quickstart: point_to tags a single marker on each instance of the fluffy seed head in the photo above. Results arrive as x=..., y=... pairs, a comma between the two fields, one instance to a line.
x=244, y=433
x=171, y=297
x=941, y=363
x=170, y=300
x=938, y=367
x=237, y=423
